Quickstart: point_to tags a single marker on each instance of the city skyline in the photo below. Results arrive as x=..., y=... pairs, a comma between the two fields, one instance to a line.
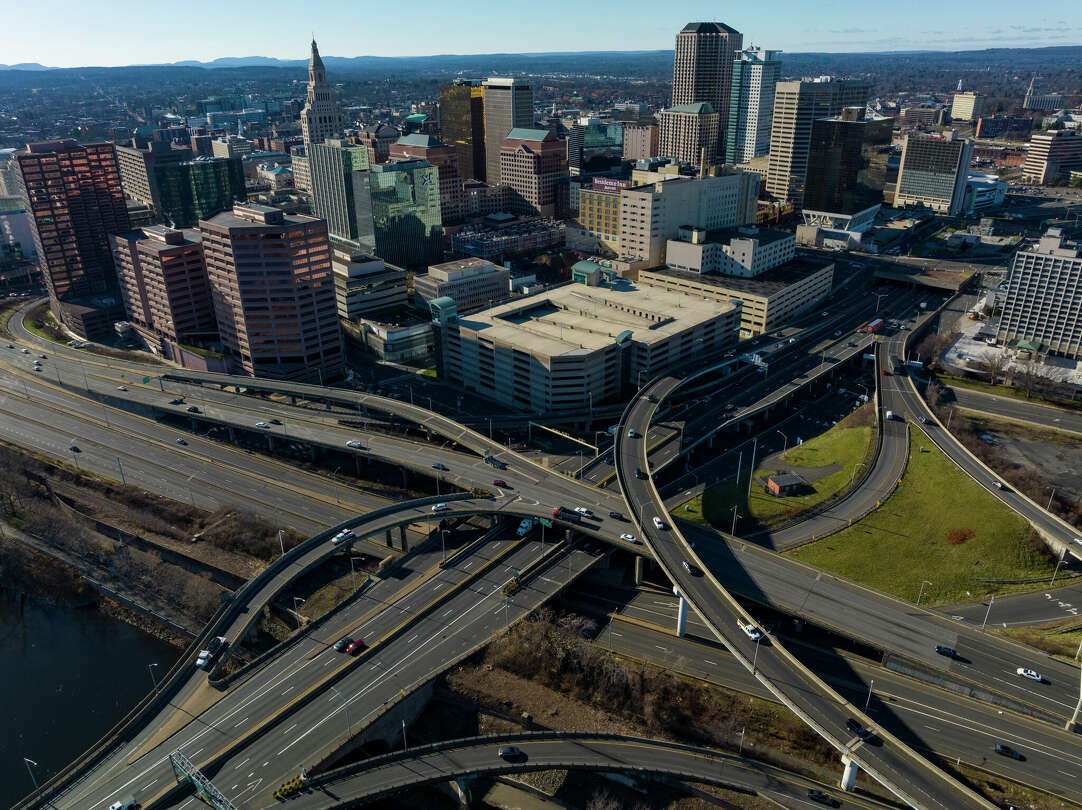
x=136, y=38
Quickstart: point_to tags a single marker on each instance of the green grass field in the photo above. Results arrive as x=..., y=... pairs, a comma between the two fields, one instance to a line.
x=842, y=445
x=905, y=541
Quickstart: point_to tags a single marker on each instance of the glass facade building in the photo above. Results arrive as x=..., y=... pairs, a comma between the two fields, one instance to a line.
x=340, y=191
x=406, y=212
x=847, y=163
x=462, y=125
x=198, y=189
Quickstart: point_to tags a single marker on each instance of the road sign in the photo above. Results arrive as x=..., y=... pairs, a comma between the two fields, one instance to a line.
x=146, y=379
x=546, y=522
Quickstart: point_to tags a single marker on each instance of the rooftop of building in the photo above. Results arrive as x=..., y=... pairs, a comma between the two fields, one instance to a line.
x=417, y=139
x=162, y=237
x=575, y=319
x=765, y=236
x=252, y=215
x=707, y=28
x=766, y=284
x=698, y=108
x=529, y=134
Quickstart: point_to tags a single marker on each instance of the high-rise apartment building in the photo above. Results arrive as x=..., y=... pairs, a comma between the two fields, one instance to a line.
x=462, y=124
x=640, y=141
x=163, y=281
x=847, y=170
x=508, y=104
x=137, y=170
x=750, y=107
x=532, y=162
x=650, y=215
x=341, y=192
x=1043, y=304
x=703, y=68
x=933, y=172
x=688, y=133
x=321, y=117
x=445, y=158
x=75, y=200
x=967, y=106
x=196, y=189
x=796, y=105
x=1052, y=156
x=273, y=292
x=406, y=212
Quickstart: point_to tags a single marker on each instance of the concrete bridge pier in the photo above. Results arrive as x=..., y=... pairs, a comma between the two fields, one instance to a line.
x=270, y=443
x=849, y=775
x=461, y=787
x=232, y=434
x=640, y=566
x=681, y=614
x=402, y=537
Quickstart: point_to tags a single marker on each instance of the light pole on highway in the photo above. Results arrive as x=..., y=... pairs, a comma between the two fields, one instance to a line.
x=296, y=610
x=1078, y=706
x=120, y=467
x=923, y=582
x=991, y=602
x=751, y=467
x=28, y=763
x=345, y=705
x=949, y=417
x=868, y=700
x=443, y=544
x=784, y=440
x=1050, y=497
x=755, y=658
x=1062, y=560
x=281, y=542
x=878, y=299
x=853, y=474
x=740, y=753
x=153, y=680
x=735, y=516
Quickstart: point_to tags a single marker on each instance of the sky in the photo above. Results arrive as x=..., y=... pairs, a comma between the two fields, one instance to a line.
x=74, y=33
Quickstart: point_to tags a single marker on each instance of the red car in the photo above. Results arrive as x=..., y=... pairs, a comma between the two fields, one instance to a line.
x=499, y=482
x=355, y=647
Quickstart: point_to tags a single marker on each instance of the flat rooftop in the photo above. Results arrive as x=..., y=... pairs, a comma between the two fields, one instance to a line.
x=769, y=283
x=576, y=319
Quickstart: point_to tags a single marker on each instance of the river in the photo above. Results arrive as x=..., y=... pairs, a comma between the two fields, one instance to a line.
x=67, y=675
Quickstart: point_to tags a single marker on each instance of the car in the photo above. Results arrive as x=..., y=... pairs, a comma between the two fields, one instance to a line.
x=923, y=419
x=498, y=482
x=510, y=752
x=440, y=467
x=342, y=537
x=181, y=441
x=651, y=398
x=628, y=538
x=950, y=652
x=75, y=448
x=193, y=409
x=37, y=364
x=262, y=425
x=855, y=727
x=43, y=357
x=1026, y=672
x=582, y=510
x=691, y=569
x=26, y=351
x=524, y=527
x=342, y=644
x=440, y=507
x=837, y=333
x=216, y=644
x=122, y=388
x=11, y=345
x=355, y=646
x=852, y=343
x=1007, y=751
x=640, y=474
x=632, y=433
x=997, y=484
x=750, y=630
x=659, y=524
x=276, y=421
x=176, y=401
x=126, y=803
x=356, y=445
x=37, y=368
x=616, y=516
x=823, y=798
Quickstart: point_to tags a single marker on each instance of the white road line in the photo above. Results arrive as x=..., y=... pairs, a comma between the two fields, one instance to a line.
x=152, y=784
x=239, y=764
x=241, y=723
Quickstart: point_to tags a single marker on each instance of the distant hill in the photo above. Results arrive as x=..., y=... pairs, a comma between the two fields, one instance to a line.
x=26, y=66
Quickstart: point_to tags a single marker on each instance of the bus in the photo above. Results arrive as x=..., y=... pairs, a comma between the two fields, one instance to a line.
x=872, y=326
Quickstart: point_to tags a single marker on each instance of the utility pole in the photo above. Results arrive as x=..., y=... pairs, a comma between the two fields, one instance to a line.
x=751, y=467
x=120, y=467
x=153, y=680
x=990, y=603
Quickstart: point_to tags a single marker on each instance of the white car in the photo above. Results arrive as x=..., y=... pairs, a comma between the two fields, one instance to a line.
x=440, y=507
x=628, y=538
x=122, y=388
x=356, y=445
x=750, y=630
x=342, y=536
x=1029, y=673
x=659, y=524
x=582, y=510
x=263, y=425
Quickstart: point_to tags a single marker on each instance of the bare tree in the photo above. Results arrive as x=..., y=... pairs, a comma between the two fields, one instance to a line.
x=994, y=364
x=1033, y=376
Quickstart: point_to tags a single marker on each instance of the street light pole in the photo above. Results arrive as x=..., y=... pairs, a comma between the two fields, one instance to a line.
x=868, y=700
x=296, y=610
x=1061, y=561
x=990, y=603
x=784, y=442
x=28, y=763
x=153, y=680
x=735, y=516
x=755, y=659
x=281, y=542
x=443, y=545
x=751, y=467
x=1050, y=497
x=923, y=582
x=345, y=705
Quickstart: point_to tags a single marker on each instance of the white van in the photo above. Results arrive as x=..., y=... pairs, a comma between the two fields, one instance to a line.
x=126, y=803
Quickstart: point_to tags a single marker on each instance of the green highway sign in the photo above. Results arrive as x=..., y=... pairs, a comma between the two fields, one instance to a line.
x=546, y=522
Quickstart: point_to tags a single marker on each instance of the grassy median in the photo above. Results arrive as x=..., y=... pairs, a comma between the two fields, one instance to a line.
x=938, y=525
x=845, y=445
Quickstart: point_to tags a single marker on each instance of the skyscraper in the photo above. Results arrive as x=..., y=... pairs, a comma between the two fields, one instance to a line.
x=321, y=117
x=340, y=191
x=847, y=170
x=703, y=67
x=532, y=162
x=751, y=104
x=273, y=292
x=796, y=106
x=75, y=200
x=406, y=212
x=462, y=124
x=508, y=104
x=445, y=158
x=933, y=172
x=1052, y=156
x=196, y=189
x=688, y=133
x=137, y=167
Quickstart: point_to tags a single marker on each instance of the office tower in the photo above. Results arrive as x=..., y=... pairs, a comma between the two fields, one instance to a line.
x=364, y=285
x=377, y=138
x=340, y=191
x=231, y=146
x=922, y=115
x=196, y=189
x=406, y=212
x=273, y=292
x=471, y=283
x=137, y=170
x=933, y=172
x=1043, y=304
x=702, y=70
x=75, y=200
x=321, y=117
x=688, y=133
x=9, y=174
x=751, y=104
x=462, y=124
x=163, y=281
x=796, y=106
x=508, y=104
x=652, y=214
x=532, y=162
x=1052, y=156
x=445, y=158
x=847, y=170
x=640, y=141
x=1003, y=126
x=594, y=146
x=967, y=106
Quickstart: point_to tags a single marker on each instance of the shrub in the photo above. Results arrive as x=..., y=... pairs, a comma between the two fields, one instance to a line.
x=958, y=536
